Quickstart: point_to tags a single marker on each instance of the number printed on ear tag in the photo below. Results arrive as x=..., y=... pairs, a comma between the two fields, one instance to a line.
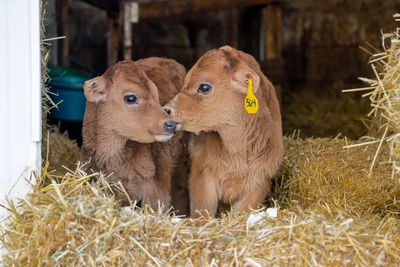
x=251, y=101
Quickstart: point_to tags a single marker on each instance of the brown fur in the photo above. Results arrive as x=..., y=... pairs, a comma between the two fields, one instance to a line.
x=119, y=138
x=234, y=154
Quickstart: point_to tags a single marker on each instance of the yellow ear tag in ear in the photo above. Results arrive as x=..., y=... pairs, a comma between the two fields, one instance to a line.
x=251, y=101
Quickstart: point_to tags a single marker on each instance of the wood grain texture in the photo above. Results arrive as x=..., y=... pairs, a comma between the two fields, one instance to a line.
x=178, y=7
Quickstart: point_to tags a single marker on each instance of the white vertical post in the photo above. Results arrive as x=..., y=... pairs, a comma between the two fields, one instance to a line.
x=20, y=96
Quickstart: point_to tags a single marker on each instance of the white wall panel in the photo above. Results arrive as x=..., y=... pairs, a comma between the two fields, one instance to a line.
x=20, y=105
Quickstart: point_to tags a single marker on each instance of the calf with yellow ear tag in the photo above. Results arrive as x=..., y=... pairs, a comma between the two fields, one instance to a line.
x=251, y=101
x=238, y=146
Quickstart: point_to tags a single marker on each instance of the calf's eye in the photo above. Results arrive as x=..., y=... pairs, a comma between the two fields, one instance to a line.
x=204, y=88
x=130, y=99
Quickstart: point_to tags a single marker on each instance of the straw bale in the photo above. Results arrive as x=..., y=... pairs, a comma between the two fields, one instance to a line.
x=322, y=175
x=330, y=212
x=45, y=45
x=384, y=93
x=62, y=152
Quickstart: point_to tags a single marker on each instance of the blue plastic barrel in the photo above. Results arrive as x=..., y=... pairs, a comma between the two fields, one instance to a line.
x=67, y=91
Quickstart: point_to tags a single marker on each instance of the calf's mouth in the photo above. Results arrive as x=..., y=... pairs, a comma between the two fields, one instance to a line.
x=163, y=137
x=170, y=127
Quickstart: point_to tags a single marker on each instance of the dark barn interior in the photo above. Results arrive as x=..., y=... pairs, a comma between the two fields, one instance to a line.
x=309, y=49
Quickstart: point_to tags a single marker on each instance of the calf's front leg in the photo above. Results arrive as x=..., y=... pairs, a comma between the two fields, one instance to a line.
x=156, y=195
x=158, y=190
x=252, y=198
x=203, y=195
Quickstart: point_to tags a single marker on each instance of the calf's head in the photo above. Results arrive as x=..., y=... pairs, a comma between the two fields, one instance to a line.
x=213, y=93
x=127, y=104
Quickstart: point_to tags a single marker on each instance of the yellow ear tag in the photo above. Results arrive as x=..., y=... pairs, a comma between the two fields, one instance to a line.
x=251, y=101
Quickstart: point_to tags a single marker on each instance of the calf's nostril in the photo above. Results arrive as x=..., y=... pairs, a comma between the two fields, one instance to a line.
x=168, y=110
x=170, y=126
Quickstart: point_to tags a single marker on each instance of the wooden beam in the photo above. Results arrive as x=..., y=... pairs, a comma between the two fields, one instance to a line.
x=271, y=26
x=181, y=7
x=107, y=5
x=231, y=22
x=112, y=39
x=63, y=30
x=271, y=46
x=127, y=30
x=161, y=9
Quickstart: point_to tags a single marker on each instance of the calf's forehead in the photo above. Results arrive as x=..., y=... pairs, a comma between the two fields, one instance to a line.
x=214, y=64
x=210, y=72
x=128, y=76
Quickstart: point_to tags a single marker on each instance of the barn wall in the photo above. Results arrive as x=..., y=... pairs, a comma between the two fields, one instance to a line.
x=20, y=100
x=320, y=38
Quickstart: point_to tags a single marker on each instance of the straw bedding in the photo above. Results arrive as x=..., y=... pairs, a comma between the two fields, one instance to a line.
x=330, y=212
x=324, y=114
x=337, y=201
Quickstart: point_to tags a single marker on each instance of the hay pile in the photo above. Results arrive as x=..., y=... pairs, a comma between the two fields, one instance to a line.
x=330, y=213
x=61, y=151
x=321, y=175
x=385, y=95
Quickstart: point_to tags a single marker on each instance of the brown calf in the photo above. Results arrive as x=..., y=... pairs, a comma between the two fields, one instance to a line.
x=234, y=154
x=124, y=118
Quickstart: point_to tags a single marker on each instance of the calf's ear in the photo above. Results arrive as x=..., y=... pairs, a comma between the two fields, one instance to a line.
x=240, y=77
x=96, y=89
